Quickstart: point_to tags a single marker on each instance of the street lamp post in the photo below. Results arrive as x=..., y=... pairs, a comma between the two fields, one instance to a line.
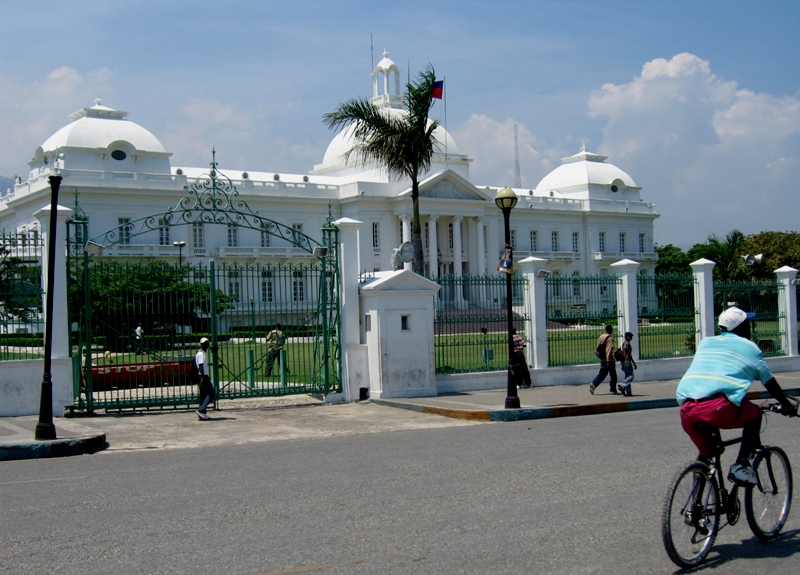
x=506, y=199
x=44, y=428
x=180, y=245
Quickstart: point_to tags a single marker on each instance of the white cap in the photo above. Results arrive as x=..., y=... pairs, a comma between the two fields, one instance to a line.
x=203, y=340
x=732, y=317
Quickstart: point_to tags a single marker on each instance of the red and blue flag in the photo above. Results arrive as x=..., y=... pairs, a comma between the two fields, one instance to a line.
x=438, y=89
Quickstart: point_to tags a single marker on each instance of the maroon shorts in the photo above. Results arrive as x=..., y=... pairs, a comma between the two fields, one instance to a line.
x=719, y=412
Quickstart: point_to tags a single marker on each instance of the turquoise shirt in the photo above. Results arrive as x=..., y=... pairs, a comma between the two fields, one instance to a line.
x=725, y=364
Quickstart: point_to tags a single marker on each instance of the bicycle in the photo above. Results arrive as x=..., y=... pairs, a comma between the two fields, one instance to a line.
x=698, y=498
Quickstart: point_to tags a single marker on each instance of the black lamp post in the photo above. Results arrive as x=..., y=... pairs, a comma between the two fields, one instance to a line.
x=506, y=199
x=180, y=246
x=44, y=428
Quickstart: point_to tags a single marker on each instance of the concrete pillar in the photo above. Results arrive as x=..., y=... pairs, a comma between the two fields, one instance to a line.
x=787, y=307
x=458, y=296
x=533, y=270
x=60, y=322
x=627, y=301
x=703, y=271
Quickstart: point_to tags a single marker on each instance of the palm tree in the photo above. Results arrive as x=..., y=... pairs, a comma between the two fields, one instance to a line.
x=403, y=143
x=726, y=253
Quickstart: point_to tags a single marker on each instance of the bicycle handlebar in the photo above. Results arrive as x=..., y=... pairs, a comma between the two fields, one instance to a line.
x=776, y=407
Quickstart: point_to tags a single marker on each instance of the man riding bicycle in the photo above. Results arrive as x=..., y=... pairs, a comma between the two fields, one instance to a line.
x=714, y=387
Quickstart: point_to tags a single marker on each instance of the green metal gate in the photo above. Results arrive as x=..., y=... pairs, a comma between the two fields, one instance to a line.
x=234, y=305
x=667, y=315
x=578, y=308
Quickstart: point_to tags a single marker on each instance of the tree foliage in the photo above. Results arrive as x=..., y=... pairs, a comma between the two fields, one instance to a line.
x=123, y=295
x=403, y=144
x=672, y=260
x=20, y=289
x=778, y=248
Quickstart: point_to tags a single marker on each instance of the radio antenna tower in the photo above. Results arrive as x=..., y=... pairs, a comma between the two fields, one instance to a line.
x=517, y=177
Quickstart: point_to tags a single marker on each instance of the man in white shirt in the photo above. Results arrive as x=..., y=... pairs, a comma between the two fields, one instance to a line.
x=206, y=387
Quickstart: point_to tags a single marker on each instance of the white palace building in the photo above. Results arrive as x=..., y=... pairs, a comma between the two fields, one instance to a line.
x=582, y=217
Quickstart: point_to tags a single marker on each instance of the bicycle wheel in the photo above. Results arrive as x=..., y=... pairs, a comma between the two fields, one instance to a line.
x=690, y=519
x=767, y=504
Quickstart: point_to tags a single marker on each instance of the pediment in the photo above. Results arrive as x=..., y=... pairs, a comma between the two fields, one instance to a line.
x=448, y=185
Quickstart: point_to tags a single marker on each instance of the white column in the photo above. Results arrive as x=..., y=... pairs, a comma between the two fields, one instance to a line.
x=787, y=306
x=703, y=270
x=60, y=323
x=459, y=301
x=536, y=304
x=353, y=370
x=627, y=302
x=406, y=219
x=481, y=247
x=481, y=259
x=457, y=246
x=433, y=247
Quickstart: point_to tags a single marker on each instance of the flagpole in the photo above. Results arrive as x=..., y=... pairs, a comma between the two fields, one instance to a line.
x=444, y=97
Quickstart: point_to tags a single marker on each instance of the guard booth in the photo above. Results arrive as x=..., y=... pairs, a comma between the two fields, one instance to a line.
x=398, y=316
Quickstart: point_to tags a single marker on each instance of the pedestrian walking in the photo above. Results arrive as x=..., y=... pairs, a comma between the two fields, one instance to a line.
x=138, y=335
x=518, y=364
x=605, y=352
x=206, y=387
x=628, y=364
x=276, y=339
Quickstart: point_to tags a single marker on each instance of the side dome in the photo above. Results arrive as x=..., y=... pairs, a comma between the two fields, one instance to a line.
x=583, y=171
x=99, y=127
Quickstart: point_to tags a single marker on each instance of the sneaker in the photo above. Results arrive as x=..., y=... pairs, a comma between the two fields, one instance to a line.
x=202, y=415
x=742, y=474
x=620, y=389
x=591, y=388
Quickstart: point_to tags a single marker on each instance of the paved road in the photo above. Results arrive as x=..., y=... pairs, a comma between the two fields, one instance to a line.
x=558, y=496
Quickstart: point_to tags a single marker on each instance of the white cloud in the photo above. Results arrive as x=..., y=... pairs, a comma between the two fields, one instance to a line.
x=29, y=114
x=712, y=157
x=490, y=143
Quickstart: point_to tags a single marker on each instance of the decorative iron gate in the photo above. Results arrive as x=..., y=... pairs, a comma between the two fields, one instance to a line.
x=234, y=305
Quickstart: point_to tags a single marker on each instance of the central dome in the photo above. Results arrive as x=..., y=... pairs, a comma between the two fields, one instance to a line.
x=344, y=141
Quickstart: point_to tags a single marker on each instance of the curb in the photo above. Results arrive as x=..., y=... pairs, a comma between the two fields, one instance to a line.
x=53, y=448
x=530, y=413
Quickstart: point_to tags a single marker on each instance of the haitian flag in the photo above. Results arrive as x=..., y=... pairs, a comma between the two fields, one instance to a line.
x=438, y=88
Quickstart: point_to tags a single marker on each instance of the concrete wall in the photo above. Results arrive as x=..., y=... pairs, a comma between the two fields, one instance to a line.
x=21, y=386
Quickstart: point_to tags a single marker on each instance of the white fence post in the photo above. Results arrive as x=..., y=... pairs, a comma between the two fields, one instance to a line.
x=703, y=270
x=60, y=323
x=536, y=302
x=349, y=266
x=626, y=300
x=787, y=306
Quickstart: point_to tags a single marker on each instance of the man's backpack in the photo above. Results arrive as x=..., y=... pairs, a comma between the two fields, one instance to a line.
x=194, y=372
x=600, y=352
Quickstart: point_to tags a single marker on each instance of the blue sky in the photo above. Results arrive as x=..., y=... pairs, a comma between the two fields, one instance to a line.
x=699, y=101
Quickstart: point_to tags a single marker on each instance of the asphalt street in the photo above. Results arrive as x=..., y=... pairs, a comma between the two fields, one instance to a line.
x=432, y=495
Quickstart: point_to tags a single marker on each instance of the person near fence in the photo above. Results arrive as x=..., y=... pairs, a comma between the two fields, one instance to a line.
x=206, y=387
x=714, y=391
x=605, y=352
x=276, y=339
x=519, y=365
x=138, y=335
x=627, y=363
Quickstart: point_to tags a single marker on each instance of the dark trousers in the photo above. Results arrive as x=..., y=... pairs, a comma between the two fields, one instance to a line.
x=270, y=363
x=607, y=368
x=207, y=393
x=520, y=368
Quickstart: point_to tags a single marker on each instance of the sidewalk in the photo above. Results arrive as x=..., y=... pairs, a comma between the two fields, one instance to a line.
x=268, y=419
